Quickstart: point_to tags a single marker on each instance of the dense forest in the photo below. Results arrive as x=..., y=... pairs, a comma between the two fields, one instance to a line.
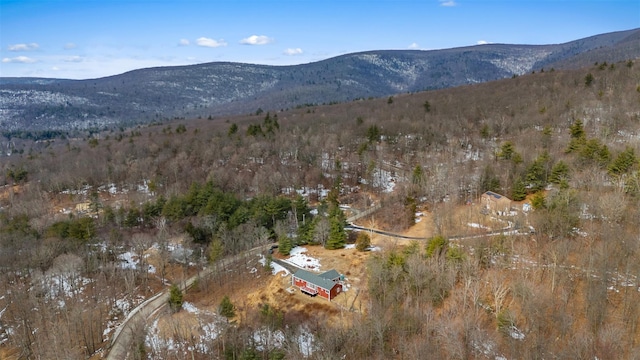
x=565, y=141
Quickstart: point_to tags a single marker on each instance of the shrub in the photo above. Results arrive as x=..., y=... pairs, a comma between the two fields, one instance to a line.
x=504, y=320
x=175, y=298
x=363, y=241
x=538, y=201
x=588, y=79
x=437, y=245
x=226, y=308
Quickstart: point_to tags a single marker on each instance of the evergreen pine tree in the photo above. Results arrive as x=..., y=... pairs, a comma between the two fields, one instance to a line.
x=559, y=172
x=623, y=162
x=489, y=181
x=337, y=234
x=175, y=298
x=506, y=151
x=632, y=185
x=518, y=190
x=226, y=308
x=284, y=245
x=437, y=246
x=536, y=175
x=577, y=130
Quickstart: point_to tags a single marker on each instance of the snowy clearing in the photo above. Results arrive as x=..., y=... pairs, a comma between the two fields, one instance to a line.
x=299, y=259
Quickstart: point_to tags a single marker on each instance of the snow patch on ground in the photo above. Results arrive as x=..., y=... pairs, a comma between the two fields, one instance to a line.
x=266, y=339
x=486, y=348
x=59, y=286
x=478, y=226
x=210, y=332
x=112, y=188
x=350, y=246
x=156, y=342
x=3, y=334
x=123, y=306
x=82, y=191
x=128, y=260
x=275, y=268
x=279, y=268
x=144, y=187
x=383, y=179
x=306, y=342
x=299, y=259
x=580, y=232
x=189, y=307
x=119, y=312
x=307, y=191
x=210, y=327
x=515, y=333
x=131, y=261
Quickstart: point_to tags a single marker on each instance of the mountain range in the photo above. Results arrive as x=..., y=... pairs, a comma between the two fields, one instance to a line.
x=223, y=88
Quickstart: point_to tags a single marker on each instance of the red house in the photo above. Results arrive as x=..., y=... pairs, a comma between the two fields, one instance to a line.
x=326, y=285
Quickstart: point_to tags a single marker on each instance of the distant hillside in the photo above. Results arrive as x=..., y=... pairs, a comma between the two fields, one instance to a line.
x=212, y=89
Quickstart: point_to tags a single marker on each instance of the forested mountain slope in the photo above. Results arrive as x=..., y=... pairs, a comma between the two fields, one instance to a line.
x=91, y=225
x=213, y=89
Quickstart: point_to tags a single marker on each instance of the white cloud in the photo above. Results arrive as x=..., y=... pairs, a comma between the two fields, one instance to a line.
x=69, y=46
x=256, y=40
x=23, y=47
x=483, y=42
x=293, y=51
x=93, y=65
x=184, y=42
x=448, y=3
x=73, y=59
x=19, y=59
x=414, y=46
x=207, y=42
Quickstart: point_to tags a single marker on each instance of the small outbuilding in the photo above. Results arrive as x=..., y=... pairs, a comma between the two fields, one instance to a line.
x=495, y=203
x=326, y=285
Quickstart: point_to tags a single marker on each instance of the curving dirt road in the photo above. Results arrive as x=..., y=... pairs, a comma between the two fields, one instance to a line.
x=135, y=323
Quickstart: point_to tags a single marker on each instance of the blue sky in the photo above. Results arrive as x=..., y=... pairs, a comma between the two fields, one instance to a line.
x=82, y=39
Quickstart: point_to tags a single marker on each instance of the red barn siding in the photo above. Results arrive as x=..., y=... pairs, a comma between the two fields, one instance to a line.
x=336, y=290
x=322, y=292
x=299, y=282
